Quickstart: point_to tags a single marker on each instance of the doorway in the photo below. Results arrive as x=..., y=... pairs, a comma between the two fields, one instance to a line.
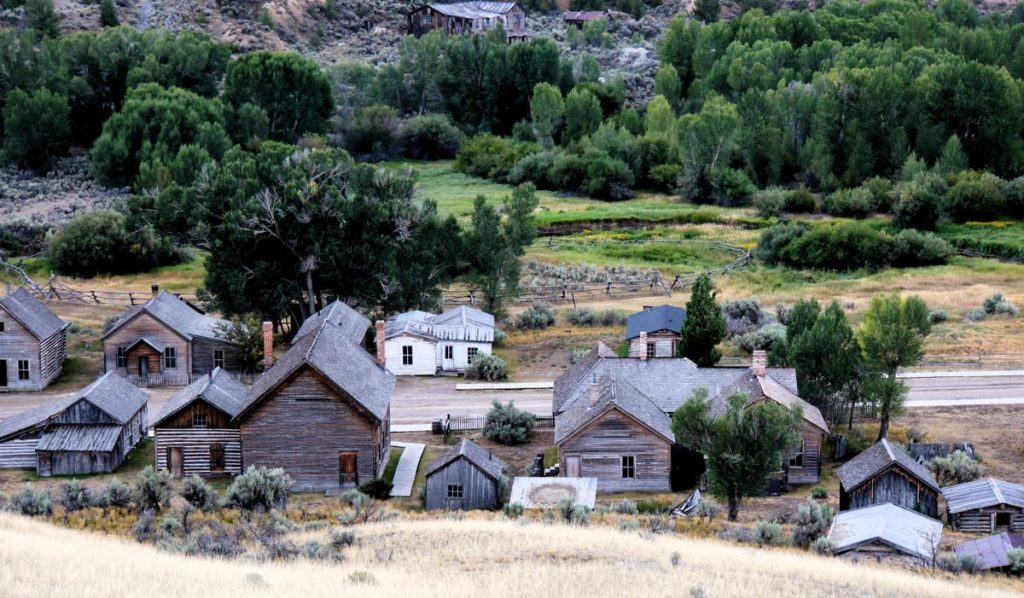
x=3, y=373
x=1002, y=522
x=176, y=461
x=572, y=466
x=348, y=469
x=144, y=368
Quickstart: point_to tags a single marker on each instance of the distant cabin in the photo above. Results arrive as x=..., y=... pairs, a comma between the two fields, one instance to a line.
x=884, y=473
x=985, y=506
x=195, y=431
x=420, y=343
x=90, y=431
x=460, y=18
x=466, y=477
x=655, y=331
x=33, y=342
x=886, y=528
x=579, y=18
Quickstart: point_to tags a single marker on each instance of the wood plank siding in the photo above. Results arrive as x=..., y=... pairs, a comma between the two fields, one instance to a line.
x=196, y=447
x=479, y=491
x=892, y=485
x=145, y=325
x=601, y=444
x=45, y=359
x=664, y=344
x=202, y=356
x=989, y=520
x=810, y=471
x=19, y=453
x=87, y=462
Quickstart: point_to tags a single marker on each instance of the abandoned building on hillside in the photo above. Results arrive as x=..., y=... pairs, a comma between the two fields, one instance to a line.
x=459, y=18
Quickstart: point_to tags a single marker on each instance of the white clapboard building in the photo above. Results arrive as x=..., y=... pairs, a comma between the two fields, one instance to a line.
x=418, y=343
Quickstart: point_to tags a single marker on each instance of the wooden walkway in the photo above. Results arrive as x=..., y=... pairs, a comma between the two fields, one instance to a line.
x=408, y=464
x=507, y=386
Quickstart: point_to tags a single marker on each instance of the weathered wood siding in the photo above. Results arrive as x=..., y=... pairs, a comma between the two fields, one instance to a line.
x=602, y=443
x=984, y=521
x=17, y=343
x=146, y=325
x=87, y=462
x=154, y=359
x=892, y=485
x=18, y=453
x=195, y=445
x=78, y=463
x=84, y=412
x=184, y=419
x=304, y=425
x=52, y=353
x=479, y=491
x=202, y=356
x=810, y=473
x=664, y=344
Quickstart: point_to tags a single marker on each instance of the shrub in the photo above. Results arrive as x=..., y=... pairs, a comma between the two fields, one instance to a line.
x=976, y=315
x=115, y=494
x=74, y=496
x=912, y=248
x=1013, y=194
x=374, y=133
x=730, y=186
x=152, y=489
x=812, y=520
x=843, y=247
x=482, y=155
x=626, y=507
x=98, y=242
x=916, y=435
x=508, y=425
x=819, y=493
x=589, y=317
x=974, y=198
x=767, y=533
x=937, y=316
x=771, y=202
x=743, y=315
x=259, y=489
x=763, y=338
x=664, y=176
x=341, y=538
x=800, y=200
x=379, y=489
x=513, y=510
x=823, y=546
x=957, y=468
x=198, y=493
x=607, y=177
x=170, y=525
x=565, y=507
x=948, y=561
x=487, y=366
x=536, y=168
x=580, y=515
x=143, y=528
x=652, y=507
x=998, y=305
x=1015, y=556
x=850, y=203
x=364, y=508
x=431, y=137
x=31, y=502
x=918, y=203
x=536, y=317
x=880, y=190
x=775, y=238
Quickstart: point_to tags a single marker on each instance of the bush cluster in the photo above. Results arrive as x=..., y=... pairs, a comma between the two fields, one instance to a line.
x=536, y=317
x=957, y=468
x=586, y=316
x=487, y=367
x=99, y=242
x=507, y=424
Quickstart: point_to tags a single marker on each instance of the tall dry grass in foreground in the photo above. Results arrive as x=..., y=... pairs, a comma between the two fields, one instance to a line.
x=447, y=558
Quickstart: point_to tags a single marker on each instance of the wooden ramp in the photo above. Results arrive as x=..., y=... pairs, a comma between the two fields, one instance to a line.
x=544, y=493
x=408, y=463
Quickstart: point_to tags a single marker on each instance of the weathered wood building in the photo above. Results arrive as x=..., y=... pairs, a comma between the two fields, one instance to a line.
x=886, y=474
x=886, y=528
x=33, y=342
x=459, y=18
x=195, y=432
x=579, y=18
x=985, y=506
x=167, y=341
x=655, y=331
x=91, y=431
x=420, y=343
x=466, y=477
x=322, y=413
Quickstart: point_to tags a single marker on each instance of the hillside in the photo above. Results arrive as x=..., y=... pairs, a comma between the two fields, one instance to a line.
x=450, y=558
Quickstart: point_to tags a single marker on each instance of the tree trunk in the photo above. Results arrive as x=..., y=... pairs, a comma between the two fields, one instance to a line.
x=885, y=410
x=734, y=506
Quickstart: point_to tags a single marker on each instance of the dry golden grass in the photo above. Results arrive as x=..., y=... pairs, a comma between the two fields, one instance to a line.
x=453, y=558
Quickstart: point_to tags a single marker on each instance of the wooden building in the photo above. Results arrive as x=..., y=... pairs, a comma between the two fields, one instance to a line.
x=459, y=18
x=579, y=18
x=985, y=506
x=322, y=413
x=465, y=477
x=990, y=553
x=33, y=342
x=420, y=343
x=353, y=325
x=91, y=431
x=886, y=474
x=886, y=528
x=195, y=432
x=655, y=331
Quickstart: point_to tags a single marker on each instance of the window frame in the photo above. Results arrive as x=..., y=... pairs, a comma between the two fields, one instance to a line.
x=170, y=358
x=796, y=459
x=628, y=467
x=24, y=373
x=651, y=349
x=455, y=491
x=471, y=354
x=220, y=359
x=449, y=352
x=120, y=358
x=407, y=355
x=200, y=421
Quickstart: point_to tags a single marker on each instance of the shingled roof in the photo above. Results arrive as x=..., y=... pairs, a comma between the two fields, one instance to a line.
x=35, y=417
x=353, y=324
x=32, y=314
x=612, y=393
x=899, y=528
x=117, y=397
x=344, y=363
x=483, y=459
x=979, y=494
x=655, y=319
x=878, y=457
x=758, y=388
x=458, y=324
x=217, y=388
x=176, y=314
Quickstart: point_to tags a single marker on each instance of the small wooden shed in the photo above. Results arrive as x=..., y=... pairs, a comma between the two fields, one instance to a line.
x=985, y=506
x=886, y=528
x=886, y=474
x=466, y=477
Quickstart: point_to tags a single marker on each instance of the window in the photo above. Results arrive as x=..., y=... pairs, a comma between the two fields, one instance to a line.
x=797, y=458
x=652, y=350
x=471, y=354
x=217, y=457
x=629, y=467
x=22, y=369
x=170, y=357
x=454, y=490
x=218, y=358
x=1, y=326
x=449, y=352
x=121, y=360
x=200, y=420
x=406, y=354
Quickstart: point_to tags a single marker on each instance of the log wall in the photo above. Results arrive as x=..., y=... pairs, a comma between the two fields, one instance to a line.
x=195, y=445
x=892, y=485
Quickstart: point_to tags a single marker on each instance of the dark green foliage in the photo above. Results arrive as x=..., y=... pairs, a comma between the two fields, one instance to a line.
x=41, y=17
x=431, y=137
x=850, y=203
x=198, y=493
x=98, y=242
x=607, y=177
x=507, y=424
x=848, y=246
x=704, y=327
x=827, y=361
x=259, y=489
x=108, y=14
x=246, y=333
x=706, y=10
x=918, y=203
x=800, y=200
x=974, y=198
x=374, y=133
x=379, y=489
x=36, y=127
x=248, y=124
x=775, y=238
x=913, y=248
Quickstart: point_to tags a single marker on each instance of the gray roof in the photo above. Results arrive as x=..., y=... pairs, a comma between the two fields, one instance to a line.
x=352, y=323
x=176, y=314
x=152, y=342
x=899, y=528
x=610, y=393
x=877, y=458
x=117, y=397
x=35, y=417
x=32, y=314
x=990, y=552
x=458, y=324
x=654, y=319
x=473, y=10
x=82, y=438
x=485, y=460
x=758, y=388
x=218, y=388
x=979, y=494
x=344, y=363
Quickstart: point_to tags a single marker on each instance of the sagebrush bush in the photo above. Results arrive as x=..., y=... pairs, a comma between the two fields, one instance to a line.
x=590, y=317
x=819, y=493
x=767, y=533
x=115, y=494
x=957, y=468
x=999, y=305
x=152, y=489
x=823, y=546
x=1015, y=556
x=513, y=510
x=198, y=493
x=341, y=538
x=763, y=338
x=536, y=317
x=487, y=366
x=259, y=489
x=626, y=507
x=507, y=424
x=937, y=316
x=811, y=521
x=31, y=502
x=744, y=315
x=74, y=496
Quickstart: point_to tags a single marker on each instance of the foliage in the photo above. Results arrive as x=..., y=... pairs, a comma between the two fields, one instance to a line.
x=956, y=468
x=259, y=489
x=704, y=327
x=744, y=315
x=41, y=17
x=74, y=496
x=152, y=489
x=974, y=198
x=507, y=424
x=31, y=502
x=198, y=493
x=431, y=137
x=763, y=338
x=108, y=14
x=999, y=305
x=1015, y=556
x=378, y=488
x=811, y=522
x=767, y=533
x=98, y=242
x=850, y=203
x=513, y=510
x=819, y=493
x=115, y=494
x=36, y=127
x=829, y=368
x=487, y=366
x=246, y=333
x=586, y=316
x=823, y=546
x=536, y=317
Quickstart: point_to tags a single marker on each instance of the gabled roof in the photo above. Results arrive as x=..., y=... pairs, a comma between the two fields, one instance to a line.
x=990, y=552
x=115, y=396
x=772, y=389
x=987, y=492
x=458, y=324
x=81, y=438
x=472, y=452
x=176, y=314
x=899, y=528
x=342, y=362
x=32, y=314
x=217, y=388
x=353, y=324
x=654, y=319
x=612, y=393
x=877, y=458
x=152, y=342
x=473, y=10
x=37, y=416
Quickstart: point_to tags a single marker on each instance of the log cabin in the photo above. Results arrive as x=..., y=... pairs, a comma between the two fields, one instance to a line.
x=985, y=506
x=465, y=477
x=655, y=330
x=886, y=529
x=195, y=431
x=420, y=343
x=460, y=18
x=322, y=413
x=33, y=342
x=167, y=342
x=884, y=473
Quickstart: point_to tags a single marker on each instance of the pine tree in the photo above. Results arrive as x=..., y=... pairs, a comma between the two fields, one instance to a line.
x=706, y=10
x=41, y=16
x=108, y=14
x=953, y=158
x=704, y=327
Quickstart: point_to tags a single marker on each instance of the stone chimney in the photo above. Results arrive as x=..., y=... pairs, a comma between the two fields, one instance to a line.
x=643, y=345
x=595, y=393
x=760, y=363
x=379, y=337
x=268, y=345
x=155, y=288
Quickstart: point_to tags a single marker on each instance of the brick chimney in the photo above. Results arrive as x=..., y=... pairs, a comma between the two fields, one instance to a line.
x=760, y=363
x=268, y=345
x=155, y=288
x=379, y=337
x=594, y=394
x=643, y=345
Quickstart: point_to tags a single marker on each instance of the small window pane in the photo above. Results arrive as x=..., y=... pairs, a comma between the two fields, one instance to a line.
x=23, y=369
x=200, y=420
x=218, y=358
x=629, y=467
x=471, y=354
x=121, y=358
x=170, y=358
x=406, y=354
x=652, y=350
x=454, y=490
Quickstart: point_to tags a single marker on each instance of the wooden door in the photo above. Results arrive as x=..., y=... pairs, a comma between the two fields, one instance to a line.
x=176, y=461
x=144, y=368
x=348, y=468
x=44, y=464
x=572, y=466
x=3, y=373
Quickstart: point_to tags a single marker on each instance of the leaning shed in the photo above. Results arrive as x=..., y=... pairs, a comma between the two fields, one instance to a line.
x=990, y=552
x=886, y=528
x=985, y=506
x=464, y=478
x=886, y=474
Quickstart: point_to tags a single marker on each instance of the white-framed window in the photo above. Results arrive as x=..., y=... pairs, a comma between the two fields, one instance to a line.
x=23, y=369
x=218, y=358
x=449, y=352
x=471, y=354
x=200, y=420
x=652, y=349
x=628, y=467
x=406, y=354
x=455, y=491
x=120, y=358
x=797, y=458
x=170, y=358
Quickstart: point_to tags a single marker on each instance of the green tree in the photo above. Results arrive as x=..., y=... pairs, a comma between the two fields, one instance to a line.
x=706, y=10
x=676, y=47
x=246, y=333
x=660, y=118
x=953, y=158
x=704, y=327
x=742, y=447
x=891, y=336
x=707, y=141
x=668, y=85
x=41, y=17
x=828, y=363
x=546, y=112
x=36, y=127
x=582, y=114
x=108, y=14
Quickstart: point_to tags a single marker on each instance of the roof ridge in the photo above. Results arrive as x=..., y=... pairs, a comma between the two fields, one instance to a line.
x=996, y=490
x=888, y=449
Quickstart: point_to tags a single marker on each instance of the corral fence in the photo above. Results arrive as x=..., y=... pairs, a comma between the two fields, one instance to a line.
x=468, y=423
x=55, y=290
x=971, y=361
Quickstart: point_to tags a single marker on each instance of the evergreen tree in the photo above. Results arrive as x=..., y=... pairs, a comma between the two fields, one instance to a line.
x=953, y=158
x=41, y=17
x=706, y=10
x=36, y=127
x=108, y=14
x=704, y=327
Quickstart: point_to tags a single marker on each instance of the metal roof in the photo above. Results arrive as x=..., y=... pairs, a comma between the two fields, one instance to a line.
x=878, y=457
x=990, y=552
x=473, y=10
x=483, y=459
x=610, y=393
x=352, y=323
x=33, y=315
x=654, y=319
x=899, y=528
x=218, y=388
x=176, y=314
x=979, y=494
x=458, y=324
x=584, y=15
x=80, y=438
